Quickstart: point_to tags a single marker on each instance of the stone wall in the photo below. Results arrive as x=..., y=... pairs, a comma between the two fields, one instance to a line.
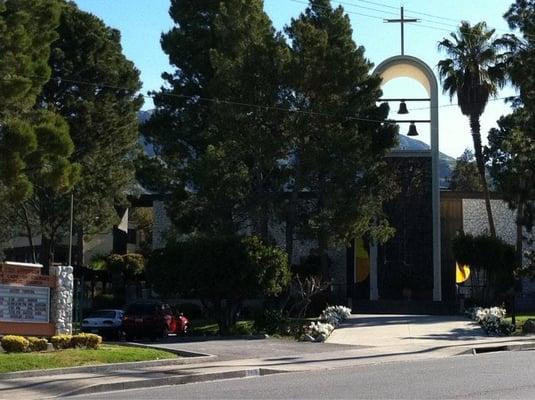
x=61, y=301
x=475, y=220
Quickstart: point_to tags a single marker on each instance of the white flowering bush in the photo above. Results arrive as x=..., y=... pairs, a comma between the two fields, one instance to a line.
x=330, y=318
x=335, y=315
x=318, y=331
x=492, y=320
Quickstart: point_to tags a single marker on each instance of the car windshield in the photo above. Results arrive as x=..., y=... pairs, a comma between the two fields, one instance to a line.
x=141, y=309
x=102, y=314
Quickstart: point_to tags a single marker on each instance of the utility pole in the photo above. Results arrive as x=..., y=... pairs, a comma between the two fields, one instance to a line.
x=70, y=229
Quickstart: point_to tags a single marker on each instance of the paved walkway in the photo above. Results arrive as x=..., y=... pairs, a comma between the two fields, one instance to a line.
x=400, y=330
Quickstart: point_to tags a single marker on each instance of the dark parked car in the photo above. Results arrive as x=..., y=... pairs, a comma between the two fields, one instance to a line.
x=107, y=323
x=152, y=320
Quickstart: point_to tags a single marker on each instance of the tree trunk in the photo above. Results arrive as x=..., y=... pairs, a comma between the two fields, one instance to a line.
x=29, y=233
x=519, y=235
x=324, y=257
x=46, y=256
x=476, y=135
x=292, y=209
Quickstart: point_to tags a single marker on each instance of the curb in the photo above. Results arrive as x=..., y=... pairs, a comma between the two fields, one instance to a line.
x=495, y=347
x=189, y=339
x=191, y=358
x=168, y=381
x=178, y=352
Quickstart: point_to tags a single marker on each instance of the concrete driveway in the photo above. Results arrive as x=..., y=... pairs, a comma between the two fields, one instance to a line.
x=398, y=330
x=243, y=348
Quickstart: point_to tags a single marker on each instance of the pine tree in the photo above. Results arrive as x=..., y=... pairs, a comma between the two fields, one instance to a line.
x=27, y=27
x=94, y=88
x=464, y=177
x=339, y=135
x=217, y=134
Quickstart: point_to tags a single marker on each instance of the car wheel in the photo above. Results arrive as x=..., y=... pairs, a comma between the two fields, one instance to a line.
x=165, y=333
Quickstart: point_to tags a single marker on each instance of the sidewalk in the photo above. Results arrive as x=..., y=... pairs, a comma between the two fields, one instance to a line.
x=427, y=338
x=379, y=330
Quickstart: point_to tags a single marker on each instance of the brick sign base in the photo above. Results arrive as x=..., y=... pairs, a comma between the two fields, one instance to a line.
x=22, y=314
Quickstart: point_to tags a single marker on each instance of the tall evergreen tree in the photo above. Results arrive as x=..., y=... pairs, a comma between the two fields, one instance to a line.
x=94, y=88
x=216, y=130
x=464, y=177
x=27, y=28
x=474, y=71
x=339, y=136
x=35, y=145
x=512, y=144
x=511, y=157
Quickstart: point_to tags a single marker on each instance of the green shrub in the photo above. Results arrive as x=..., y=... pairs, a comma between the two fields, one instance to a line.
x=86, y=340
x=221, y=272
x=37, y=344
x=79, y=340
x=93, y=341
x=492, y=262
x=271, y=322
x=14, y=344
x=242, y=328
x=61, y=342
x=102, y=301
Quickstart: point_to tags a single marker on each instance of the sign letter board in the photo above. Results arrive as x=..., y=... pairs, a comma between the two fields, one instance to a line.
x=24, y=304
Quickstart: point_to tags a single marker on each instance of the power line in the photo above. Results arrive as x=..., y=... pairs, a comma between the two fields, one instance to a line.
x=243, y=104
x=210, y=100
x=348, y=12
x=457, y=104
x=386, y=13
x=378, y=4
x=365, y=8
x=433, y=16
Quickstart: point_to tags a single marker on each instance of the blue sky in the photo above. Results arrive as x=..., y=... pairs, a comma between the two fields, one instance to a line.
x=141, y=23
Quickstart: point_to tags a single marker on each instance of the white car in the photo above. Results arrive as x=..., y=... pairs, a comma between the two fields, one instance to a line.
x=107, y=323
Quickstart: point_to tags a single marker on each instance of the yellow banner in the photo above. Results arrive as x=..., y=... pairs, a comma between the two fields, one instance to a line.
x=462, y=273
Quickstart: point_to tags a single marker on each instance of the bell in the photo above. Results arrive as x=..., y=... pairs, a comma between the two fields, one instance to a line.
x=412, y=130
x=403, y=108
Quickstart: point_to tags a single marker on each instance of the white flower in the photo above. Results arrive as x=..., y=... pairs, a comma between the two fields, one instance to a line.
x=319, y=330
x=492, y=320
x=335, y=315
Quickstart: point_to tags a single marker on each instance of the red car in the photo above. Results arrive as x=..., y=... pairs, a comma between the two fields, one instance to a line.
x=153, y=320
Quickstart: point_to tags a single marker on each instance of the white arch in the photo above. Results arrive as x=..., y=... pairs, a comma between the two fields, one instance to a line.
x=411, y=67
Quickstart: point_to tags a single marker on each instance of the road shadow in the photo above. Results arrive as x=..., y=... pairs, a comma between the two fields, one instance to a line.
x=381, y=320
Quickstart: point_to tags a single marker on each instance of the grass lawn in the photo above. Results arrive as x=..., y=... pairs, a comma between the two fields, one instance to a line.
x=520, y=319
x=78, y=357
x=202, y=327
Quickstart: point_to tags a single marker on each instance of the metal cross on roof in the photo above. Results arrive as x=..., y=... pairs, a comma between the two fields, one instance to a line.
x=402, y=22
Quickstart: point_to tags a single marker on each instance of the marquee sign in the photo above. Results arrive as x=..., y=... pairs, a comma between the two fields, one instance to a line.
x=25, y=300
x=24, y=303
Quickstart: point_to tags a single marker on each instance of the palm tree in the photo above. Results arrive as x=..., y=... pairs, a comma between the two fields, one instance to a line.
x=474, y=71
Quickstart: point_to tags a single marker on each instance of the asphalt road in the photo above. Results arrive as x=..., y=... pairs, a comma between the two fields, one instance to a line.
x=506, y=375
